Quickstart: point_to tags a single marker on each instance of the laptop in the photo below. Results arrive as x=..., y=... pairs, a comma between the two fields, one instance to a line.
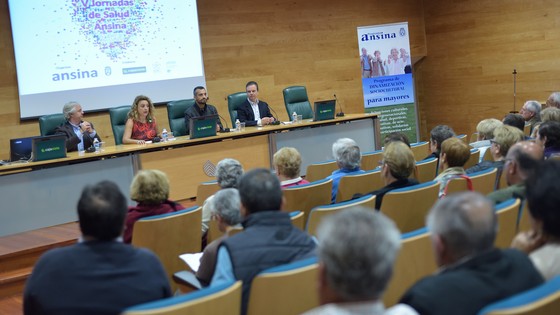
x=49, y=147
x=20, y=149
x=203, y=126
x=324, y=110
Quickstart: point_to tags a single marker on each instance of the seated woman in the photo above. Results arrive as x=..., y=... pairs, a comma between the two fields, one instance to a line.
x=454, y=154
x=141, y=123
x=548, y=136
x=150, y=188
x=287, y=164
x=78, y=132
x=397, y=166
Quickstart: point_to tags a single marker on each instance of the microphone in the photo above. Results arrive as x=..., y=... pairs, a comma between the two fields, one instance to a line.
x=276, y=120
x=341, y=113
x=226, y=129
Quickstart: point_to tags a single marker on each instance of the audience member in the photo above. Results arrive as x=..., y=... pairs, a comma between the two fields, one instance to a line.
x=548, y=136
x=396, y=136
x=348, y=159
x=553, y=100
x=473, y=273
x=254, y=112
x=397, y=166
x=141, y=123
x=287, y=164
x=515, y=120
x=352, y=273
x=150, y=189
x=437, y=136
x=485, y=130
x=531, y=112
x=79, y=133
x=542, y=242
x=521, y=160
x=99, y=275
x=228, y=173
x=454, y=154
x=225, y=209
x=547, y=114
x=268, y=239
x=200, y=108
x=504, y=137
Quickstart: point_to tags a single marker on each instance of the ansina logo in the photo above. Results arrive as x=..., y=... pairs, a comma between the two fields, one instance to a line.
x=377, y=36
x=78, y=74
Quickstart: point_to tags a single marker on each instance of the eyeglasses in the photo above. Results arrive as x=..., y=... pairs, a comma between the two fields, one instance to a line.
x=492, y=141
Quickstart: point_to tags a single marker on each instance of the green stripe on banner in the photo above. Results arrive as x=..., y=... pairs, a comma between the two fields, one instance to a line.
x=397, y=118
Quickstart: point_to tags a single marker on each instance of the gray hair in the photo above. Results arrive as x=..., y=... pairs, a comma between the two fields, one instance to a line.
x=358, y=248
x=534, y=107
x=228, y=172
x=466, y=222
x=226, y=204
x=554, y=99
x=347, y=153
x=69, y=109
x=441, y=133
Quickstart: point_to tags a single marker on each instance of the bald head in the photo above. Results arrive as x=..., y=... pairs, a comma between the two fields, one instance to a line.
x=522, y=159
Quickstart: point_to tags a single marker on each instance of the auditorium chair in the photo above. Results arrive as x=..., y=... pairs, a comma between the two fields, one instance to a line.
x=205, y=190
x=473, y=159
x=414, y=261
x=118, y=117
x=285, y=289
x=507, y=213
x=320, y=170
x=221, y=299
x=426, y=170
x=48, y=123
x=409, y=206
x=542, y=300
x=524, y=218
x=370, y=160
x=350, y=185
x=170, y=235
x=483, y=182
x=420, y=150
x=296, y=100
x=527, y=130
x=318, y=213
x=462, y=137
x=176, y=115
x=234, y=101
x=307, y=196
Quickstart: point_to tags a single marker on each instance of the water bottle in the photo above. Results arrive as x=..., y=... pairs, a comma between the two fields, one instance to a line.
x=294, y=117
x=237, y=125
x=96, y=144
x=164, y=135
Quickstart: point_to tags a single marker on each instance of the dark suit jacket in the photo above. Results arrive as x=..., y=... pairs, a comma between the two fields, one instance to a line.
x=71, y=139
x=194, y=111
x=245, y=113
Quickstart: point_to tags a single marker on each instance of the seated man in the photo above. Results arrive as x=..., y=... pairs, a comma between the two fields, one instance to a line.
x=437, y=136
x=485, y=130
x=521, y=160
x=454, y=154
x=348, y=159
x=473, y=273
x=398, y=165
x=269, y=239
x=79, y=133
x=553, y=100
x=100, y=274
x=254, y=112
x=531, y=112
x=352, y=273
x=200, y=108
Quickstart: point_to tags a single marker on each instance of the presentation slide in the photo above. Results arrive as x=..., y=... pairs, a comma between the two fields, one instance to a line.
x=104, y=53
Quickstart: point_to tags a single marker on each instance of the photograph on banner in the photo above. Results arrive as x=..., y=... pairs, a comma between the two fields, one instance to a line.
x=386, y=70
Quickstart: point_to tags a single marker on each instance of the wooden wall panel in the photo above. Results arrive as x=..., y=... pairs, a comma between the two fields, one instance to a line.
x=277, y=43
x=473, y=47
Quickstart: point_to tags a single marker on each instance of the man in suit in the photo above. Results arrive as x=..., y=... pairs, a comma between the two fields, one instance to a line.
x=100, y=275
x=200, y=108
x=473, y=273
x=254, y=112
x=79, y=133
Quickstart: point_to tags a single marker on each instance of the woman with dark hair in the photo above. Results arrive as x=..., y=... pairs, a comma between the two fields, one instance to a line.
x=549, y=137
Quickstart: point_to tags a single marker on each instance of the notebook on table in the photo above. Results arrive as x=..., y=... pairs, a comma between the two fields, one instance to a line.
x=49, y=147
x=20, y=149
x=324, y=110
x=203, y=126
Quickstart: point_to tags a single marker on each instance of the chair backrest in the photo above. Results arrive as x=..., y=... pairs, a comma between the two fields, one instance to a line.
x=502, y=183
x=318, y=171
x=170, y=235
x=318, y=213
x=220, y=299
x=488, y=155
x=474, y=137
x=524, y=218
x=370, y=160
x=234, y=101
x=205, y=190
x=308, y=196
x=426, y=170
x=527, y=130
x=473, y=159
x=420, y=150
x=409, y=206
x=462, y=137
x=298, y=219
x=358, y=184
x=48, y=123
x=118, y=117
x=507, y=213
x=176, y=116
x=285, y=289
x=415, y=261
x=542, y=300
x=482, y=181
x=296, y=100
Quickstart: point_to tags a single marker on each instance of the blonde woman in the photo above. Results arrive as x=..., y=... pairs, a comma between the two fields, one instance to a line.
x=141, y=123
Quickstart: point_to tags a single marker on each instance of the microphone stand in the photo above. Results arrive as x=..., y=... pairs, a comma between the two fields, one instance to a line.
x=341, y=113
x=514, y=89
